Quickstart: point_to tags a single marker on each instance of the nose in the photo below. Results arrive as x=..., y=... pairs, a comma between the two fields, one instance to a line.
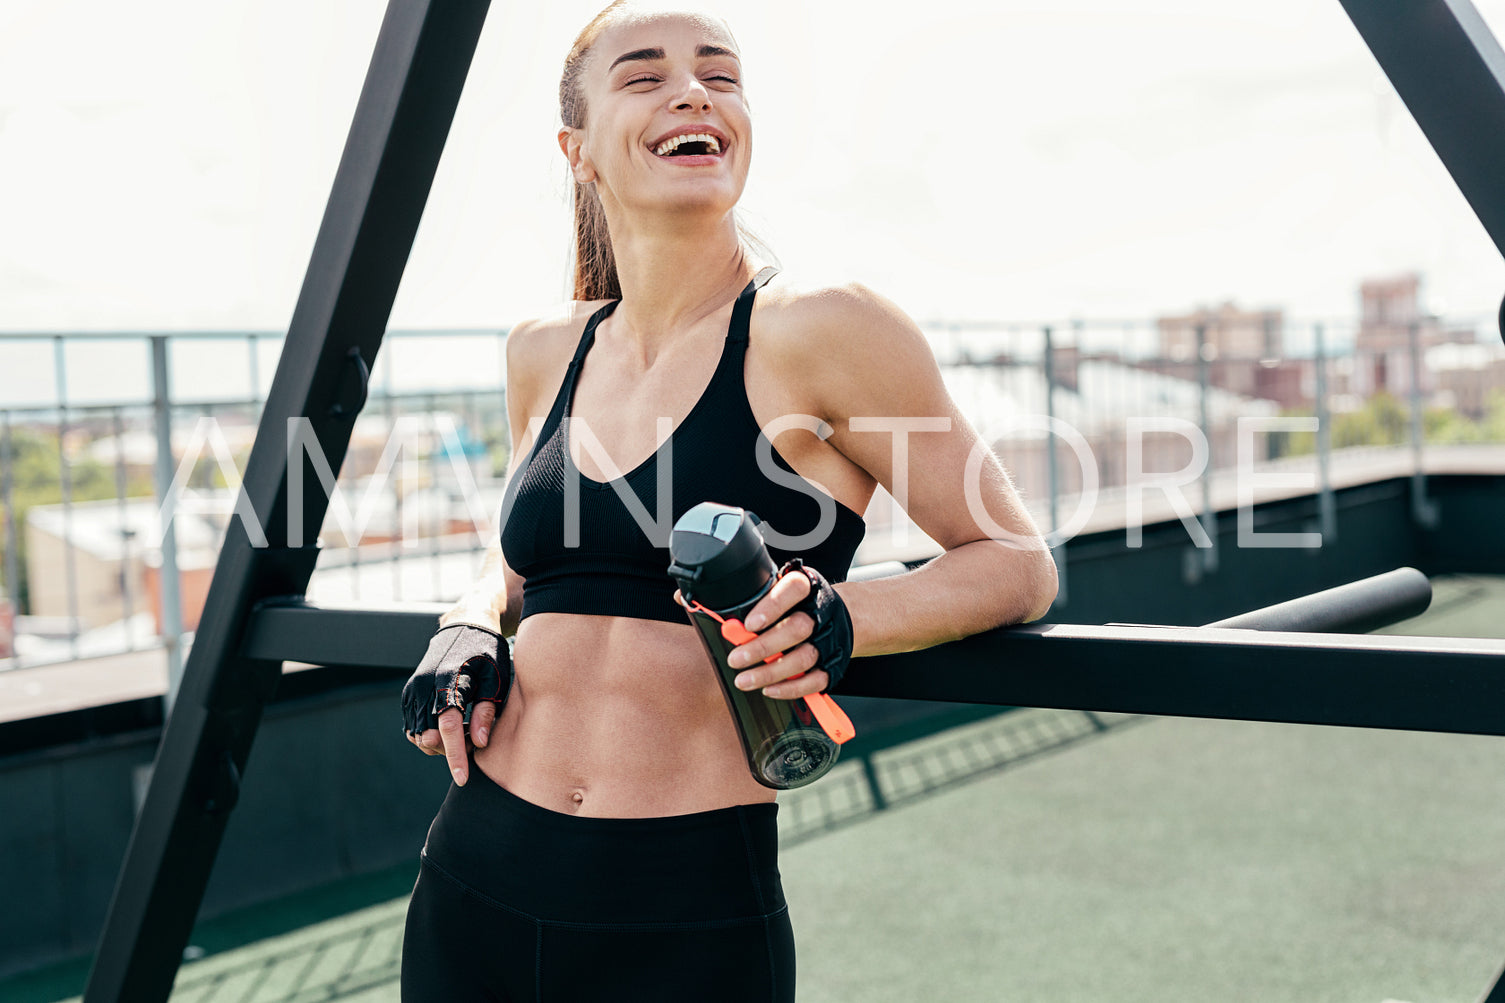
x=692, y=95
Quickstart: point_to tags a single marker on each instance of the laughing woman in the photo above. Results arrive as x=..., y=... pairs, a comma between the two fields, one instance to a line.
x=603, y=838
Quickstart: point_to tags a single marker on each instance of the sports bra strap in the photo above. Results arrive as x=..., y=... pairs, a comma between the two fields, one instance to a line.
x=742, y=312
x=588, y=336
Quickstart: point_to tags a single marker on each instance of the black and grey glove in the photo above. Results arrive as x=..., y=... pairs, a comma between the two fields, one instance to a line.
x=832, y=633
x=464, y=664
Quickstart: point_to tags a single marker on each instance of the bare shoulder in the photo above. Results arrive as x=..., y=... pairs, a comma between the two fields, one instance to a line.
x=838, y=311
x=843, y=344
x=539, y=352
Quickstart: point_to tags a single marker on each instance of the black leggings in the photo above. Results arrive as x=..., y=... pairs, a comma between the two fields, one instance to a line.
x=515, y=903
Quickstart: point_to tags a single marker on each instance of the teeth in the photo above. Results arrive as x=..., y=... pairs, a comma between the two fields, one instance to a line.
x=670, y=145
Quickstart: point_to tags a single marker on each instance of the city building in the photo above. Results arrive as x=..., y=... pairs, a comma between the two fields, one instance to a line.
x=1244, y=352
x=1228, y=332
x=1390, y=316
x=98, y=561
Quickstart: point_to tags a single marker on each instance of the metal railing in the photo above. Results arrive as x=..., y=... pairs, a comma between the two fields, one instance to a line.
x=100, y=429
x=109, y=425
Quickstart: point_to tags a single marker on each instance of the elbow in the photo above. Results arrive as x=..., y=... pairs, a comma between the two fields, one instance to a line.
x=1040, y=584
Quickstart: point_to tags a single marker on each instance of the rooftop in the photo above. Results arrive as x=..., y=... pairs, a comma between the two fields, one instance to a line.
x=1035, y=856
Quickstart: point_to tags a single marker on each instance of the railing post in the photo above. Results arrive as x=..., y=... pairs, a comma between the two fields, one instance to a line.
x=8, y=499
x=1327, y=507
x=1209, y=513
x=169, y=595
x=1053, y=464
x=1422, y=509
x=436, y=575
x=394, y=551
x=127, y=594
x=253, y=368
x=65, y=487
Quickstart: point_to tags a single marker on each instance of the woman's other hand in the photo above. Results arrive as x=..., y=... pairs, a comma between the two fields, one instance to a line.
x=453, y=740
x=466, y=669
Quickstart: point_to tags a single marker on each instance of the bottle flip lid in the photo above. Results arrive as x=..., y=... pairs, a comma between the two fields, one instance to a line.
x=717, y=554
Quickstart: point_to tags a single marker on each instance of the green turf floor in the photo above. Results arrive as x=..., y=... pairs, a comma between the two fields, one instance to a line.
x=1034, y=857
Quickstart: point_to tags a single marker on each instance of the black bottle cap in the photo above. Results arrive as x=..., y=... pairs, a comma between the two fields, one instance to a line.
x=719, y=557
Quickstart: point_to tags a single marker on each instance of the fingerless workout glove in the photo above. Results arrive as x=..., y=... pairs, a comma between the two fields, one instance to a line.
x=464, y=664
x=832, y=634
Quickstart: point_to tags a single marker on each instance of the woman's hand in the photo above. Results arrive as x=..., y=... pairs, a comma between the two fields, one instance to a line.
x=453, y=741
x=466, y=668
x=806, y=617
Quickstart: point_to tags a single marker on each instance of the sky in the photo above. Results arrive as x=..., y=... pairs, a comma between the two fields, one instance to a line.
x=164, y=164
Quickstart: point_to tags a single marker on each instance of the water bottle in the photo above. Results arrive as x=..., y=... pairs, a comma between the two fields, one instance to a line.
x=723, y=568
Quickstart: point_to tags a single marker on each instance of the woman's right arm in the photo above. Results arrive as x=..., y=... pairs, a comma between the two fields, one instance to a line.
x=495, y=600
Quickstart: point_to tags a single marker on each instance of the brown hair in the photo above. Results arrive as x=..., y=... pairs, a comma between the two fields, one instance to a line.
x=595, y=266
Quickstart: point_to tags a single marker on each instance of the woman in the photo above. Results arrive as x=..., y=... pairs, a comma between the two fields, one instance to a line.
x=609, y=841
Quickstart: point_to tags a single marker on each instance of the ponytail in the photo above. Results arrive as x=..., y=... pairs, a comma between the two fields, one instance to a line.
x=595, y=266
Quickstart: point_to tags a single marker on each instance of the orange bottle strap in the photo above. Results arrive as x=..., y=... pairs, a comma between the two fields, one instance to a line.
x=733, y=630
x=695, y=604
x=833, y=720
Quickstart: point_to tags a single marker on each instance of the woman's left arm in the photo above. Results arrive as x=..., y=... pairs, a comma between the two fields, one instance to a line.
x=871, y=376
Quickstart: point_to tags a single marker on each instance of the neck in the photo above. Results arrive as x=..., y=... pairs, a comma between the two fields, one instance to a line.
x=674, y=274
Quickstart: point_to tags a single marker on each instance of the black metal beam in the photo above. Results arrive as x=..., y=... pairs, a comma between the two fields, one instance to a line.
x=294, y=630
x=1408, y=683
x=401, y=121
x=1496, y=991
x=1450, y=71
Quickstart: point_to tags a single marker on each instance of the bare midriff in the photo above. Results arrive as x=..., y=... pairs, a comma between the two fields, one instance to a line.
x=614, y=717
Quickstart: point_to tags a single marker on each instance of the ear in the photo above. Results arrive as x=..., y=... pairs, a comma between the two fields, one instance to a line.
x=572, y=143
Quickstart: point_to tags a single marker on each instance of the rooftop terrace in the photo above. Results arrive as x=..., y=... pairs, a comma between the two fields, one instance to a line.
x=1048, y=855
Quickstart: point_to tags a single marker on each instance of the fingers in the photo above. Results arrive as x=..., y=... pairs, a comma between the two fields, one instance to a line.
x=786, y=594
x=801, y=659
x=428, y=742
x=481, y=720
x=802, y=686
x=452, y=732
x=782, y=636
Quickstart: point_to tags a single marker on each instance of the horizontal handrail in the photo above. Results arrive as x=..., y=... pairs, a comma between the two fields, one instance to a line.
x=1355, y=608
x=1409, y=683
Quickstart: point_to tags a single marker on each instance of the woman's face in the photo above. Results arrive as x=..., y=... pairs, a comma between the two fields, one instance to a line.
x=666, y=123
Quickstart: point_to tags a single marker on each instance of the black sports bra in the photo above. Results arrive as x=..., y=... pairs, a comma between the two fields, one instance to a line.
x=582, y=546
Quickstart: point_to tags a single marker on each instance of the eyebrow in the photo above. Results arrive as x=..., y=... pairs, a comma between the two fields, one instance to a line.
x=658, y=53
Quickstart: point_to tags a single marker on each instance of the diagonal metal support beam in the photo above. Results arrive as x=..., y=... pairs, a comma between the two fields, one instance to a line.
x=401, y=121
x=1496, y=991
x=1450, y=71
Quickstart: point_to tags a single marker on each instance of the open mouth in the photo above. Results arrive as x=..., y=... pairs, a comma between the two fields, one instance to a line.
x=693, y=144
